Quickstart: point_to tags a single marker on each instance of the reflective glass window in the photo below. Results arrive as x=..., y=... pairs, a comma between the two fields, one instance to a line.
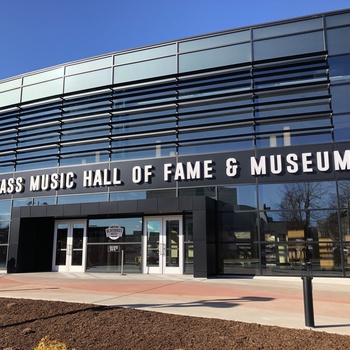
x=337, y=42
x=214, y=58
x=127, y=196
x=36, y=152
x=344, y=194
x=237, y=198
x=89, y=66
x=289, y=45
x=338, y=20
x=293, y=107
x=285, y=258
x=32, y=164
x=156, y=150
x=92, y=197
x=198, y=191
x=83, y=147
x=88, y=80
x=297, y=196
x=339, y=68
x=340, y=98
x=4, y=232
x=5, y=209
x=216, y=145
x=9, y=85
x=132, y=229
x=144, y=70
x=6, y=168
x=147, y=54
x=289, y=138
x=341, y=127
x=191, y=117
x=49, y=88
x=3, y=257
x=287, y=28
x=44, y=200
x=22, y=202
x=40, y=77
x=214, y=41
x=10, y=97
x=84, y=158
x=237, y=237
x=215, y=132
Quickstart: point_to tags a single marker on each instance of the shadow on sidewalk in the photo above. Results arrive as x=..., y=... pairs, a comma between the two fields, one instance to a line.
x=212, y=303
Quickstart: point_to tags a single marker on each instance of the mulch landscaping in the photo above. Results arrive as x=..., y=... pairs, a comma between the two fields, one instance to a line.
x=23, y=323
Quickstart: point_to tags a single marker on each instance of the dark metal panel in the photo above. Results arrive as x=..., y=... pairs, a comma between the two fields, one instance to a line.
x=55, y=210
x=14, y=230
x=107, y=208
x=127, y=207
x=199, y=203
x=25, y=212
x=168, y=205
x=38, y=211
x=185, y=203
x=199, y=244
x=16, y=212
x=147, y=205
x=89, y=208
x=71, y=210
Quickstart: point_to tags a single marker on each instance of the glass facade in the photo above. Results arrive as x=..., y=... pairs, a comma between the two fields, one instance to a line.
x=277, y=91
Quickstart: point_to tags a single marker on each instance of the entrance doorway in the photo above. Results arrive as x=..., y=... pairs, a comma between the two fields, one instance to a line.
x=163, y=245
x=69, y=246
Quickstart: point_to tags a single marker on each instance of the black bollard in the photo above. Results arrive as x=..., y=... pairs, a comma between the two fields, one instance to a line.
x=306, y=276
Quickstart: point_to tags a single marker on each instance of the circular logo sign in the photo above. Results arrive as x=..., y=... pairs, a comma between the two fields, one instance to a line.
x=114, y=232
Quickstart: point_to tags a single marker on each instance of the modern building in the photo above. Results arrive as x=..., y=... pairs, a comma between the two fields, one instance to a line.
x=222, y=154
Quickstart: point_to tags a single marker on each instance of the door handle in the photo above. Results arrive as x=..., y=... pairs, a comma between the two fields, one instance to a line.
x=161, y=249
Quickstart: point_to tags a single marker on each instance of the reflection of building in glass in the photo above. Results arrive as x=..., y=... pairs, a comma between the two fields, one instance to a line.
x=238, y=141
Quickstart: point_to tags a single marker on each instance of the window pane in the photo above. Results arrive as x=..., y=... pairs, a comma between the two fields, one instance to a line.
x=10, y=97
x=89, y=66
x=5, y=209
x=338, y=20
x=88, y=80
x=340, y=98
x=337, y=40
x=9, y=85
x=339, y=68
x=98, y=197
x=49, y=75
x=144, y=70
x=200, y=191
x=288, y=28
x=237, y=197
x=127, y=196
x=341, y=127
x=4, y=232
x=217, y=40
x=147, y=54
x=290, y=45
x=50, y=88
x=132, y=229
x=214, y=58
x=297, y=196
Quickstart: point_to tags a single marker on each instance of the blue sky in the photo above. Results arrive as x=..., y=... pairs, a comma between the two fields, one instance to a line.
x=37, y=34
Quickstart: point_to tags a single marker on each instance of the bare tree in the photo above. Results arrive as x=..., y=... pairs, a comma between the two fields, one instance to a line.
x=298, y=201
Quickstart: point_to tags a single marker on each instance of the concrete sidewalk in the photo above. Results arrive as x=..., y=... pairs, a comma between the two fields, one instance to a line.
x=264, y=300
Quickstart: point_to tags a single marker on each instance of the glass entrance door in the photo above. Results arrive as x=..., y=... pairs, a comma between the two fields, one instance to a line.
x=69, y=246
x=163, y=245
